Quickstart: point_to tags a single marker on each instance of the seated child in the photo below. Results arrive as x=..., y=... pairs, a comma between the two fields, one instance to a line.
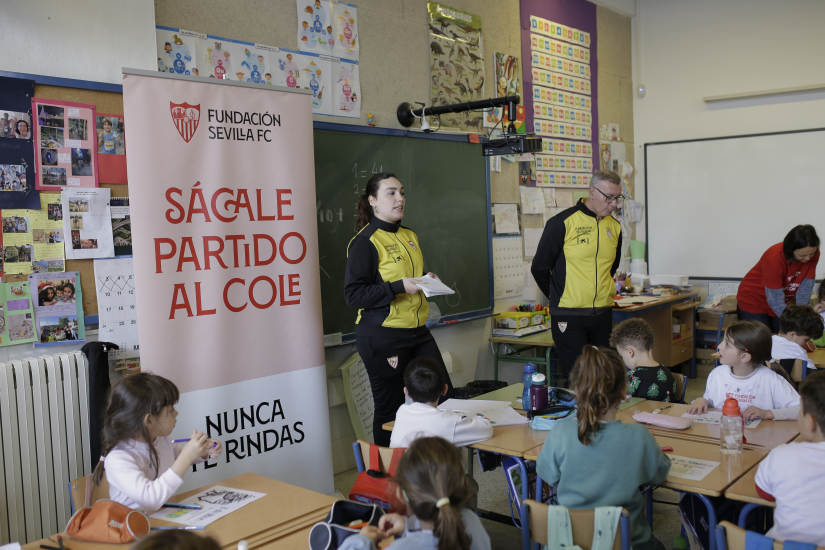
x=424, y=384
x=431, y=479
x=798, y=325
x=791, y=474
x=648, y=378
x=762, y=389
x=580, y=457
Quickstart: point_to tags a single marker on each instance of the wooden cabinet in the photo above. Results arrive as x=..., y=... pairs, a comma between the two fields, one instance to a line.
x=671, y=349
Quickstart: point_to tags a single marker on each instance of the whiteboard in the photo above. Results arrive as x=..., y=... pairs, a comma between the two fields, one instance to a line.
x=715, y=206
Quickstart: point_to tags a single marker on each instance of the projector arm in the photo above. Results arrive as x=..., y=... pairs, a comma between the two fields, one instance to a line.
x=407, y=115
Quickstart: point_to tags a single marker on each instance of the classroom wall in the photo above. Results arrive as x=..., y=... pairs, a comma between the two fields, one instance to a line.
x=684, y=51
x=89, y=40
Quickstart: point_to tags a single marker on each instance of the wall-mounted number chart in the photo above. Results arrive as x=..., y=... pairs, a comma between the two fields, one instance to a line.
x=115, y=283
x=508, y=267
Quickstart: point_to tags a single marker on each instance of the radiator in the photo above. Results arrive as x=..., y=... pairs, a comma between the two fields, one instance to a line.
x=44, y=421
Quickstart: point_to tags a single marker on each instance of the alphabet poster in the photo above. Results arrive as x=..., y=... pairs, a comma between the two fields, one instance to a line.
x=65, y=144
x=227, y=282
x=456, y=63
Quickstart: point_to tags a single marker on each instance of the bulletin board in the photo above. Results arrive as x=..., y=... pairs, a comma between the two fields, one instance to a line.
x=106, y=102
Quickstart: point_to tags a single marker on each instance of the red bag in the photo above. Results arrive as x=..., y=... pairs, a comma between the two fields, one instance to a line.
x=376, y=487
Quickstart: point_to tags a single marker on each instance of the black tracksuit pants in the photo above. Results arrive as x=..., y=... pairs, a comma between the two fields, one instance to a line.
x=385, y=360
x=572, y=332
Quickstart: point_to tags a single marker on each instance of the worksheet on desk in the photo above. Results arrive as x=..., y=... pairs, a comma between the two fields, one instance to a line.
x=715, y=417
x=690, y=468
x=215, y=502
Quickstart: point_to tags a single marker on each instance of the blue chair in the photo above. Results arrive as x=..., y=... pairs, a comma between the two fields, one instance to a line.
x=730, y=537
x=534, y=527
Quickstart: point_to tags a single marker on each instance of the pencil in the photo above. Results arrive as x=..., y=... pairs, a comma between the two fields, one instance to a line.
x=214, y=443
x=187, y=506
x=182, y=527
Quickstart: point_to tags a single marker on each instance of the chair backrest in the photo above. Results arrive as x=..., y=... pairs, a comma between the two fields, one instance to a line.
x=581, y=522
x=681, y=386
x=362, y=456
x=797, y=371
x=731, y=537
x=84, y=492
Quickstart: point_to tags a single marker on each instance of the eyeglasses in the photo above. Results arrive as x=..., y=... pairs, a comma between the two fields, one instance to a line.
x=610, y=198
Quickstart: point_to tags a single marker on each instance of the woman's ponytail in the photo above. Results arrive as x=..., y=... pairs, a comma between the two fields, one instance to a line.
x=450, y=530
x=364, y=210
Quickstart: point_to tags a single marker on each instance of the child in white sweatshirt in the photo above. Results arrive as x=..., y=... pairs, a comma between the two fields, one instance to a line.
x=762, y=389
x=424, y=384
x=798, y=325
x=142, y=465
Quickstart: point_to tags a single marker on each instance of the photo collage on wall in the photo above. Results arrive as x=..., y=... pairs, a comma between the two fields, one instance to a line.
x=66, y=140
x=17, y=165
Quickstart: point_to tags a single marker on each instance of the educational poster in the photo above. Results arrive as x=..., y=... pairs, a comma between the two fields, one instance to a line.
x=249, y=63
x=315, y=74
x=216, y=502
x=315, y=30
x=220, y=59
x=456, y=63
x=111, y=148
x=508, y=82
x=345, y=31
x=177, y=50
x=18, y=251
x=191, y=288
x=346, y=89
x=87, y=223
x=116, y=305
x=58, y=309
x=17, y=165
x=286, y=64
x=121, y=225
x=66, y=144
x=16, y=314
x=561, y=99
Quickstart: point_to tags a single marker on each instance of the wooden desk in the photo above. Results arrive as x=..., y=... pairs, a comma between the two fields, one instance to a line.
x=767, y=435
x=730, y=469
x=818, y=357
x=279, y=520
x=512, y=348
x=744, y=490
x=533, y=454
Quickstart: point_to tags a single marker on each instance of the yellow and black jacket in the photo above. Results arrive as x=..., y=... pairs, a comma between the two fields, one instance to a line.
x=378, y=258
x=575, y=261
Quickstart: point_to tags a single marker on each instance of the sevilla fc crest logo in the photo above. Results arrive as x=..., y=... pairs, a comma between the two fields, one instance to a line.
x=186, y=119
x=413, y=246
x=562, y=326
x=393, y=361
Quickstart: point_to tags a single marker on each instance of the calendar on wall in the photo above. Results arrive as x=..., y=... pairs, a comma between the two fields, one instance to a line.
x=115, y=283
x=508, y=267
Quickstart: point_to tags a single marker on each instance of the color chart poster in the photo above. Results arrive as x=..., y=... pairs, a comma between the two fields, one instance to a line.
x=225, y=250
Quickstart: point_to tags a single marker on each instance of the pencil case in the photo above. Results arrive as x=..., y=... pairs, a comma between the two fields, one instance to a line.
x=663, y=420
x=345, y=519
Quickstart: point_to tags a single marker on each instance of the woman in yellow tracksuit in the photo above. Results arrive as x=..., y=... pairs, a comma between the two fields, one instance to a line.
x=392, y=312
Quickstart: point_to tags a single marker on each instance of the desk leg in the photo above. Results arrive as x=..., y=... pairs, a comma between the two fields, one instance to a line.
x=743, y=515
x=711, y=520
x=525, y=484
x=495, y=362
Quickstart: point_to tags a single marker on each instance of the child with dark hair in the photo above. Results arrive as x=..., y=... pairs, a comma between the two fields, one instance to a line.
x=431, y=479
x=763, y=389
x=580, y=457
x=424, y=382
x=798, y=325
x=791, y=474
x=142, y=465
x=647, y=378
x=176, y=540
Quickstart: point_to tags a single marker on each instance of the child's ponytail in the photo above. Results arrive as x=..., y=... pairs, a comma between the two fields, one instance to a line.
x=598, y=378
x=364, y=211
x=449, y=528
x=430, y=473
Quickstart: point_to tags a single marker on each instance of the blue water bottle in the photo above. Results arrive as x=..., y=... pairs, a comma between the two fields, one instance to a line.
x=527, y=380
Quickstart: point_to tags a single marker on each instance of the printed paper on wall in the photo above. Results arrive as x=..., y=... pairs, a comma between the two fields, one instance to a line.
x=16, y=314
x=345, y=31
x=508, y=82
x=58, y=309
x=87, y=222
x=17, y=166
x=66, y=144
x=177, y=50
x=347, y=89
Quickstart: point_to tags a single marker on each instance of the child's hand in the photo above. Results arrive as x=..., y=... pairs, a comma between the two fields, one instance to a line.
x=214, y=452
x=196, y=447
x=392, y=525
x=755, y=412
x=372, y=533
x=698, y=406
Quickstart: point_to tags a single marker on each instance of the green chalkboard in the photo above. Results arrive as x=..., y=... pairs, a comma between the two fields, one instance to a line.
x=447, y=206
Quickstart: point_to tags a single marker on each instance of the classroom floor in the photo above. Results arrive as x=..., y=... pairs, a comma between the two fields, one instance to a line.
x=492, y=496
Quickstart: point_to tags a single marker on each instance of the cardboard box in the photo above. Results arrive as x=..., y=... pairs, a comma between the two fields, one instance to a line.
x=729, y=303
x=518, y=333
x=537, y=318
x=710, y=318
x=513, y=320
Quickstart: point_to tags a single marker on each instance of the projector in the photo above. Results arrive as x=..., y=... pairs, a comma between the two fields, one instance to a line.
x=510, y=144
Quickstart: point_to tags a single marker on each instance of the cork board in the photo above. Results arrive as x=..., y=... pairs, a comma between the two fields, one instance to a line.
x=106, y=102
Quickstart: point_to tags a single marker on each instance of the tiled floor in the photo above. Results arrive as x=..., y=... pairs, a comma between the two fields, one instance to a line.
x=492, y=496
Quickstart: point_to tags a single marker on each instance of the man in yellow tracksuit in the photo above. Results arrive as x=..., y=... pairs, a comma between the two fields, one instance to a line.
x=578, y=253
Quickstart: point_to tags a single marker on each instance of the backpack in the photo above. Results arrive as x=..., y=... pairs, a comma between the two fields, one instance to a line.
x=375, y=487
x=335, y=529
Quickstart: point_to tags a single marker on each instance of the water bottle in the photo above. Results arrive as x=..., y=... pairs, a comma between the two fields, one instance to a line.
x=538, y=392
x=732, y=428
x=527, y=380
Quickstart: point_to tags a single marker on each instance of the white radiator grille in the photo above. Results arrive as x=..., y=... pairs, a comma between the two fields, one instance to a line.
x=44, y=422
